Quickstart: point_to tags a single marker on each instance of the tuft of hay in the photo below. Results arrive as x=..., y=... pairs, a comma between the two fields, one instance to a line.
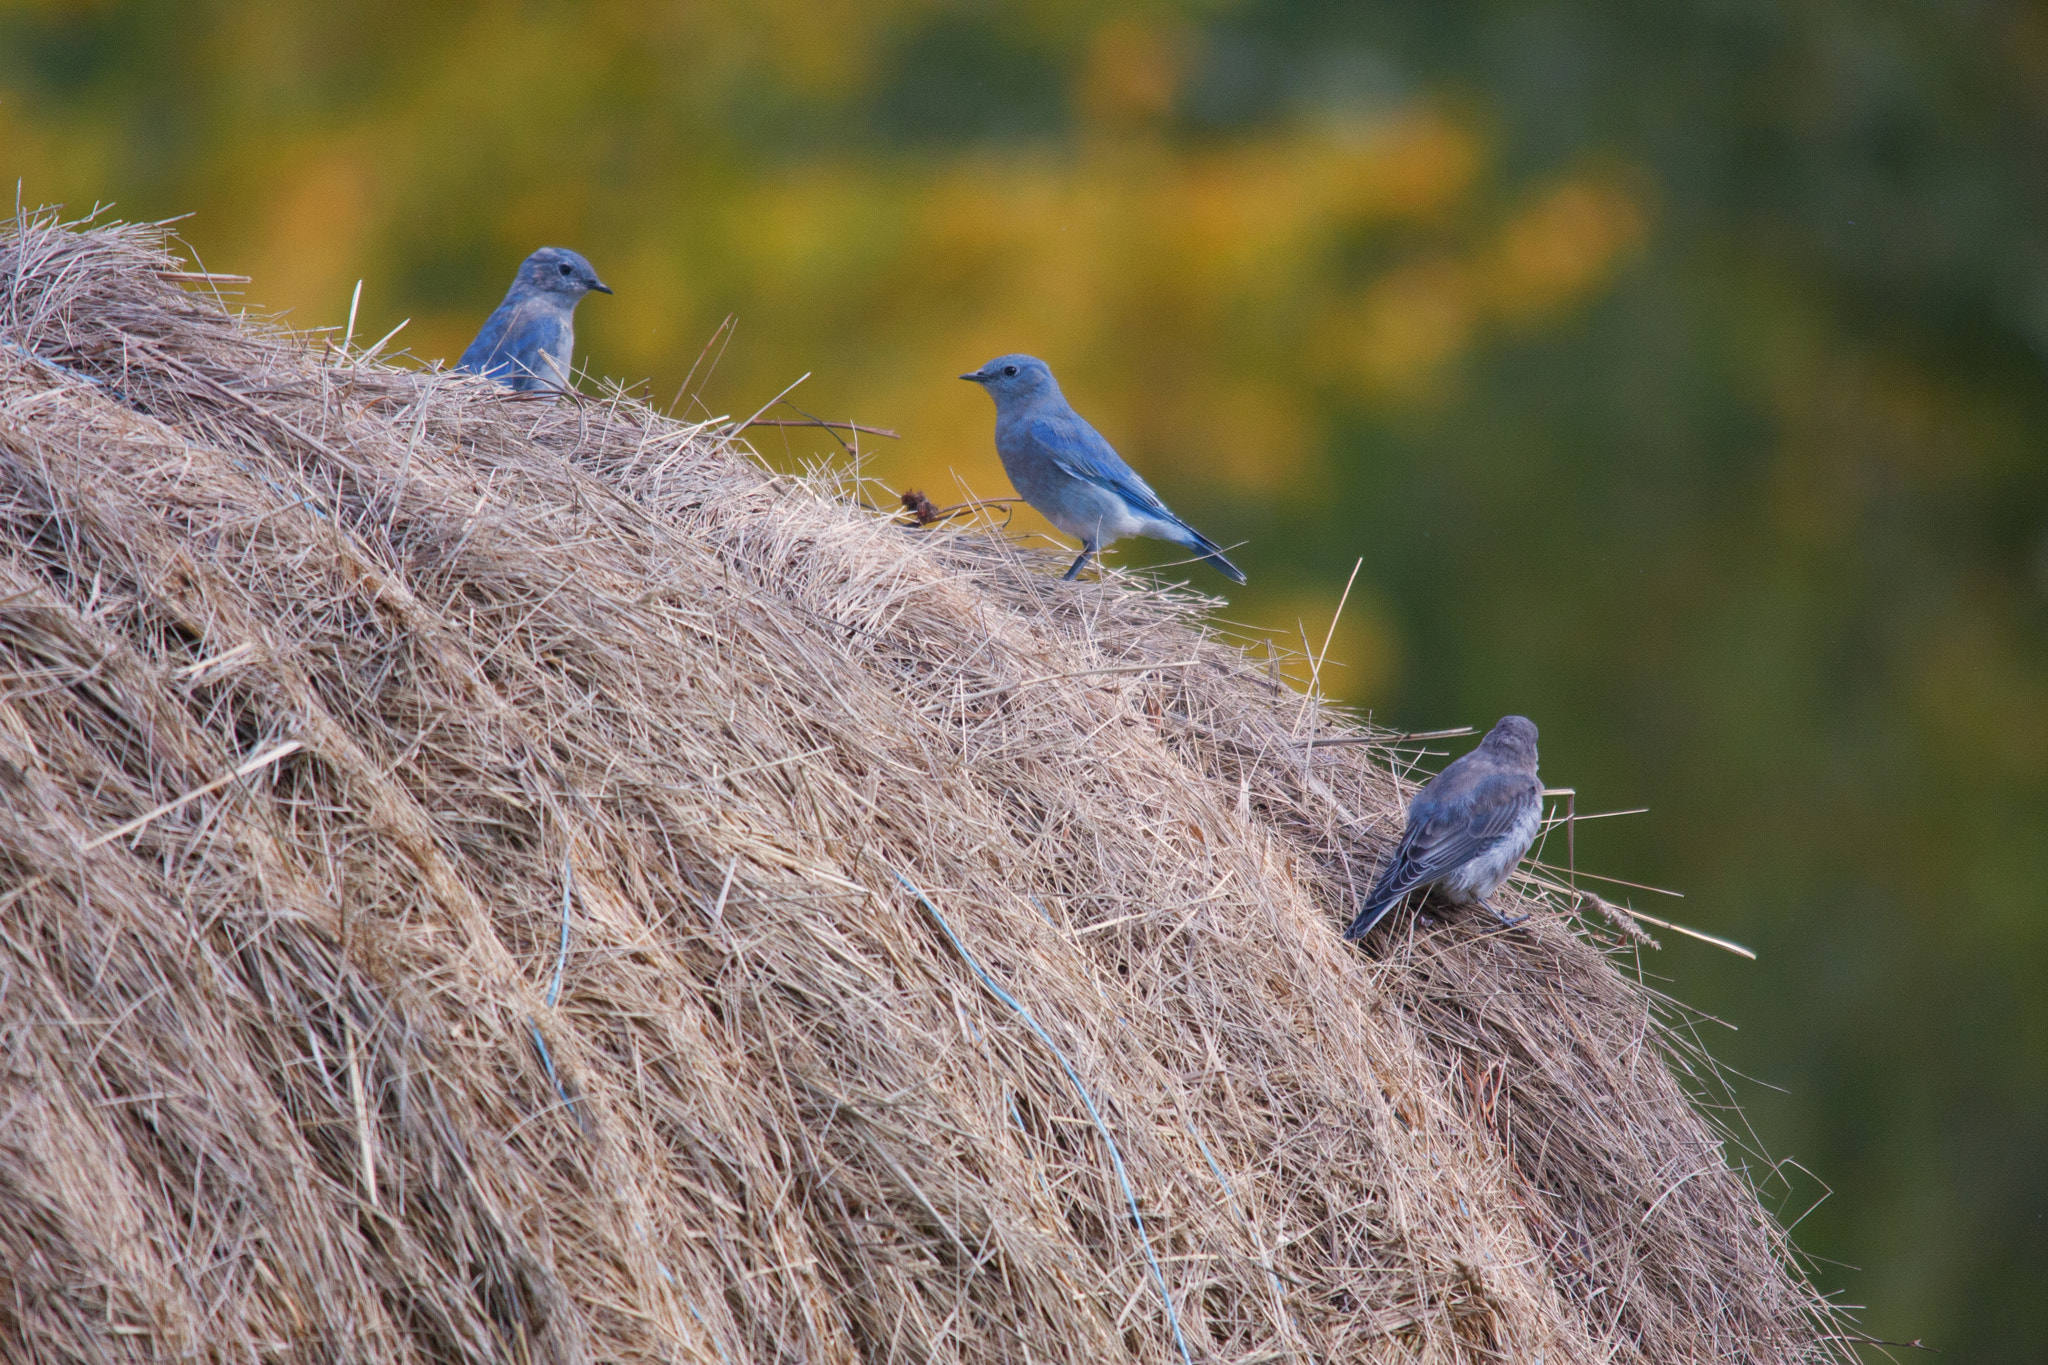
x=486, y=879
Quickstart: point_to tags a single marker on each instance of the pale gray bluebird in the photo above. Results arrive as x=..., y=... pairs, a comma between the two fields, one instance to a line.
x=528, y=342
x=1467, y=828
x=1064, y=468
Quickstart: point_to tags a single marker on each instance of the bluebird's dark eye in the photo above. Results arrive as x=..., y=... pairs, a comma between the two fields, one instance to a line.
x=564, y=268
x=1009, y=369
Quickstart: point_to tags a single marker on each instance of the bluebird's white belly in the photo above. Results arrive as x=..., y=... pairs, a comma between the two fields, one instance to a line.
x=1093, y=514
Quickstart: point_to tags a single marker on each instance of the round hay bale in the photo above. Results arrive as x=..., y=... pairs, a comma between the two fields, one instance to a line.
x=488, y=879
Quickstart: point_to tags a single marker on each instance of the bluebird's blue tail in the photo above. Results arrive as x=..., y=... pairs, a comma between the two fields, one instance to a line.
x=1211, y=554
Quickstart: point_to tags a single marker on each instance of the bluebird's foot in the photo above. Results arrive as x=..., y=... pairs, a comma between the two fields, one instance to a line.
x=1079, y=564
x=1505, y=922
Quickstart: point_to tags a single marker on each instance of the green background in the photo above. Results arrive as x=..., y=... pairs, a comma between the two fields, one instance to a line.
x=1676, y=370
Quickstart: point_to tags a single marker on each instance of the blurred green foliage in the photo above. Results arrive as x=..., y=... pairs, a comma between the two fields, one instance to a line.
x=1676, y=370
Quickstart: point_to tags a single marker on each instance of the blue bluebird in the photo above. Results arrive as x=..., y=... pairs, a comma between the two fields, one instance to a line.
x=1467, y=828
x=1064, y=468
x=527, y=343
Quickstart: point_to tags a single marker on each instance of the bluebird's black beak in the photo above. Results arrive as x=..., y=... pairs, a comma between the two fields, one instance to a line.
x=975, y=378
x=600, y=286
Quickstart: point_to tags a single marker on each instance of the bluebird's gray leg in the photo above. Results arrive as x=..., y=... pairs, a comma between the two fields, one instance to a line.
x=1079, y=563
x=1505, y=922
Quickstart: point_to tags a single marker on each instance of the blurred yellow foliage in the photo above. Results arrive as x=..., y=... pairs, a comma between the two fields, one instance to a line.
x=1563, y=245
x=1397, y=339
x=316, y=221
x=1409, y=325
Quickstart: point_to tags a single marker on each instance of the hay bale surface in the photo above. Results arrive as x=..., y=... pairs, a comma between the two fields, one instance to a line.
x=927, y=919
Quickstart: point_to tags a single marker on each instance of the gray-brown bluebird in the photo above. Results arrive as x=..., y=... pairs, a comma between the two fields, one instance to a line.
x=1467, y=828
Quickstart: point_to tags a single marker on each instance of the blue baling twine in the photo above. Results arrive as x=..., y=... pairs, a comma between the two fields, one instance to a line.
x=562, y=954
x=1116, y=1157
x=554, y=993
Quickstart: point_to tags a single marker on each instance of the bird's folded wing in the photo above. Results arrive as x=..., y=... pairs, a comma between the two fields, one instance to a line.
x=1079, y=450
x=522, y=340
x=485, y=348
x=1447, y=838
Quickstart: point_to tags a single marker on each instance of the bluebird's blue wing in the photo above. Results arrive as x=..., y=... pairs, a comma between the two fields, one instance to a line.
x=1080, y=450
x=514, y=347
x=482, y=354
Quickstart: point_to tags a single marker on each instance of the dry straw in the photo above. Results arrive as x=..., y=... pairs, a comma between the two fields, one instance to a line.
x=505, y=880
